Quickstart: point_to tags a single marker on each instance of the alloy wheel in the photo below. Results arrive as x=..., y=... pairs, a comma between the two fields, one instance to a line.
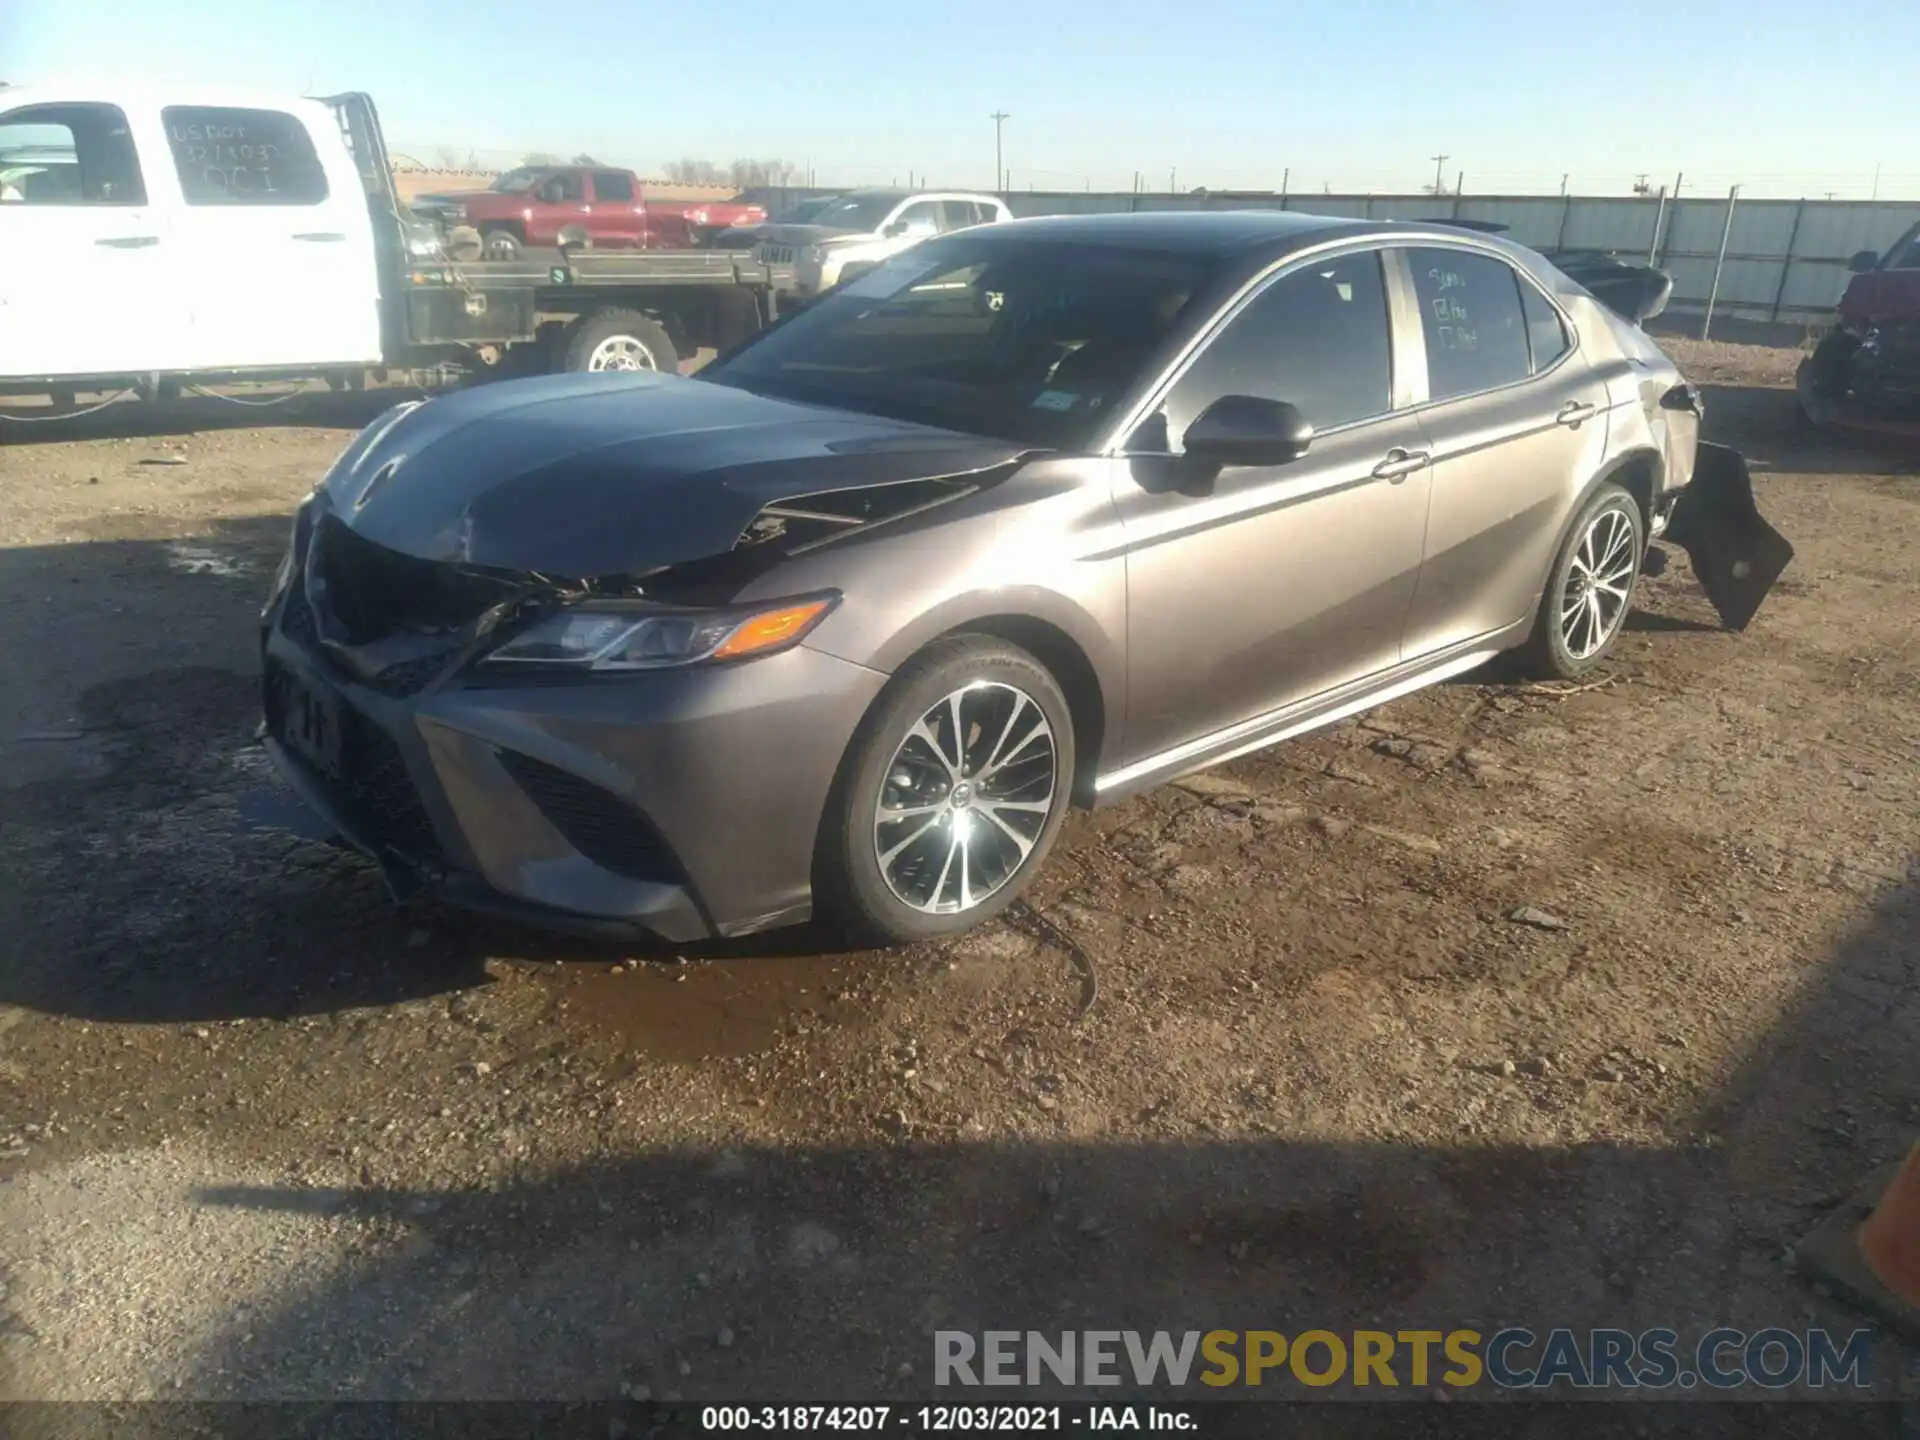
x=621, y=352
x=966, y=798
x=1593, y=599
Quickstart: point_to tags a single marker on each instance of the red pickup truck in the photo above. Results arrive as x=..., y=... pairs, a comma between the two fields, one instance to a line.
x=534, y=205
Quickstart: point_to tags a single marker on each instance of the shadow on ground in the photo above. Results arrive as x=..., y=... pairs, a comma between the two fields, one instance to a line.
x=24, y=424
x=806, y=1274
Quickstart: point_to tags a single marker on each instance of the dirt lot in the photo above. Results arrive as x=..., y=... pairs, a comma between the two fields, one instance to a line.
x=1266, y=1050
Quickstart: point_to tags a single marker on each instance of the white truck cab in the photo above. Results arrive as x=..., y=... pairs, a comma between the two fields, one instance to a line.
x=184, y=229
x=157, y=235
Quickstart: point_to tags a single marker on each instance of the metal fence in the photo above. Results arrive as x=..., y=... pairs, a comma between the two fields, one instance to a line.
x=1784, y=260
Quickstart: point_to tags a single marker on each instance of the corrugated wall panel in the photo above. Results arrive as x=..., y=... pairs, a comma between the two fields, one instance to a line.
x=1822, y=233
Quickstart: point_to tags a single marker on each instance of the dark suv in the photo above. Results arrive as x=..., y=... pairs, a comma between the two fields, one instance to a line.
x=1868, y=367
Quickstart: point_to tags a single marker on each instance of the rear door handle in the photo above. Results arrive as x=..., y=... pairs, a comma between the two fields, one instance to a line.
x=1399, y=464
x=1573, y=412
x=322, y=237
x=129, y=242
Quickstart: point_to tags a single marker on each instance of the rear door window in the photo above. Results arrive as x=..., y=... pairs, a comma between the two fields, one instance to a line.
x=69, y=155
x=958, y=214
x=1317, y=338
x=225, y=155
x=1476, y=330
x=612, y=185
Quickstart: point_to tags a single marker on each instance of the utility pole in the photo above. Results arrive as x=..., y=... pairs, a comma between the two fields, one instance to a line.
x=1563, y=183
x=999, y=118
x=1439, y=175
x=1173, y=181
x=1876, y=182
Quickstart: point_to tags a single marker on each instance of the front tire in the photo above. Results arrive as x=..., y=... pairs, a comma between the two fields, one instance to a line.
x=950, y=796
x=1590, y=589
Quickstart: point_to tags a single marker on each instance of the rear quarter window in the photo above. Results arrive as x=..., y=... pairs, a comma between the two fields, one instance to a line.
x=225, y=155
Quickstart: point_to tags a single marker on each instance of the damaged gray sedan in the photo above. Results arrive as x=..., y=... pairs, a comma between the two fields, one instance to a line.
x=1034, y=515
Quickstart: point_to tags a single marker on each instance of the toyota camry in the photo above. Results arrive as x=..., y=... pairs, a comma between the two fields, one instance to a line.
x=1034, y=515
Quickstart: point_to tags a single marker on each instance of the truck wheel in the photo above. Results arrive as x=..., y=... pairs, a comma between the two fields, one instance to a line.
x=619, y=340
x=501, y=245
x=464, y=244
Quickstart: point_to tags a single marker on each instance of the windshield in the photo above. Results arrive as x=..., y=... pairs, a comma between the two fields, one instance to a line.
x=855, y=212
x=516, y=182
x=1029, y=342
x=1906, y=254
x=803, y=211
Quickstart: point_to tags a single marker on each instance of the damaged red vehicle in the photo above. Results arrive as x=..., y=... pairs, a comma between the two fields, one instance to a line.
x=1864, y=376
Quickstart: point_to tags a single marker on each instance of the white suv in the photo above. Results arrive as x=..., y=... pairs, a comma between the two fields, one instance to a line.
x=858, y=230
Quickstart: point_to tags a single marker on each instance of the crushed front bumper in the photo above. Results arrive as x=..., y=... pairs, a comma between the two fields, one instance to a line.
x=1867, y=387
x=678, y=804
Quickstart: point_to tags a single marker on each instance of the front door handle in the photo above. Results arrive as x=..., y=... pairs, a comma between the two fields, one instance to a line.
x=1399, y=464
x=130, y=242
x=1573, y=412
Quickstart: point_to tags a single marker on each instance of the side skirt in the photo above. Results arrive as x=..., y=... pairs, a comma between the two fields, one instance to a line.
x=1302, y=717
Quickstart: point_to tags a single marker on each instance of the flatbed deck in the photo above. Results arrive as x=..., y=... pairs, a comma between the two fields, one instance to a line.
x=587, y=269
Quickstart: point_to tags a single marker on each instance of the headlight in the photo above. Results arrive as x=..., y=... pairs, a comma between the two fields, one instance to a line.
x=628, y=637
x=1871, y=340
x=813, y=255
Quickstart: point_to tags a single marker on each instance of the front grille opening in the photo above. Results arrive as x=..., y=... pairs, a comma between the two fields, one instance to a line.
x=374, y=791
x=603, y=827
x=373, y=591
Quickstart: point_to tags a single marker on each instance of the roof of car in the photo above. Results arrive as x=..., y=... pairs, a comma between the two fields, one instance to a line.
x=897, y=195
x=1237, y=234
x=72, y=90
x=1198, y=232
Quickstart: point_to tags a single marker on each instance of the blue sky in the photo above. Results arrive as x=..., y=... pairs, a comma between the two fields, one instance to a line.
x=1356, y=94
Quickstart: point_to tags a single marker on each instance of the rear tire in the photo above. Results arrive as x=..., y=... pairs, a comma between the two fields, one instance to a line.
x=1590, y=589
x=501, y=244
x=618, y=340
x=976, y=818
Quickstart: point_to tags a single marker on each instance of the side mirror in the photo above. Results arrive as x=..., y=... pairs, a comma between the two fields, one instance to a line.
x=1248, y=430
x=1865, y=261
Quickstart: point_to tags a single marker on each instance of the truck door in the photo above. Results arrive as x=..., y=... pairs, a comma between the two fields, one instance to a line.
x=85, y=284
x=617, y=218
x=276, y=243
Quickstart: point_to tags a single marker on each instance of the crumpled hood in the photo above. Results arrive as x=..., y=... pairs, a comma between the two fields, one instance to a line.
x=616, y=474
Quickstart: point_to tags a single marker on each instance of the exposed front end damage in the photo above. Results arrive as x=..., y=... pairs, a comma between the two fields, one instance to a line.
x=577, y=799
x=1864, y=379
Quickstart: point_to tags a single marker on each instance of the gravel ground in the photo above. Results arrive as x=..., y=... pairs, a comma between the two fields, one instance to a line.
x=1268, y=1048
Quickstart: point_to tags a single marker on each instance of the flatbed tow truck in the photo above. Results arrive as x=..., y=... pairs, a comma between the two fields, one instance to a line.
x=191, y=237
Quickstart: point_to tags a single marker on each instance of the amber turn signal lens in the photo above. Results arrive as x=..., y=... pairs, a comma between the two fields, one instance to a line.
x=771, y=629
